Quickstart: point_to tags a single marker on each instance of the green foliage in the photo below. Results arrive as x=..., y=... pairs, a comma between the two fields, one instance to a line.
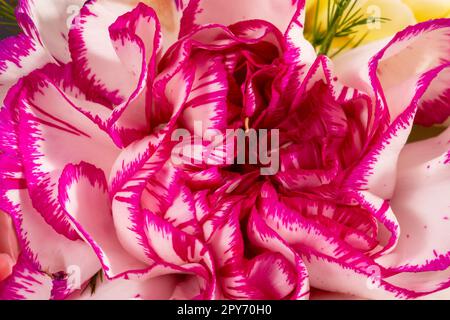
x=343, y=19
x=7, y=18
x=94, y=281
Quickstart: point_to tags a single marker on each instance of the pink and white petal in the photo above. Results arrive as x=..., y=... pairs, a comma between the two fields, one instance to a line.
x=129, y=178
x=169, y=13
x=160, y=283
x=26, y=283
x=370, y=282
x=273, y=275
x=129, y=161
x=422, y=283
x=422, y=207
x=158, y=288
x=222, y=233
x=330, y=275
x=170, y=246
x=29, y=283
x=141, y=25
x=129, y=181
x=161, y=189
x=84, y=197
x=62, y=78
x=48, y=22
x=127, y=121
x=202, y=12
x=420, y=49
x=304, y=233
x=321, y=71
x=182, y=215
x=205, y=179
x=352, y=68
x=121, y=124
x=225, y=240
x=406, y=280
x=136, y=34
x=53, y=134
x=172, y=85
x=394, y=65
x=41, y=247
x=166, y=196
x=133, y=67
x=98, y=59
x=376, y=171
x=300, y=57
x=420, y=78
x=19, y=55
x=388, y=231
x=435, y=104
x=202, y=206
x=300, y=54
x=261, y=235
x=128, y=216
x=206, y=105
x=216, y=37
x=11, y=168
x=439, y=295
x=133, y=169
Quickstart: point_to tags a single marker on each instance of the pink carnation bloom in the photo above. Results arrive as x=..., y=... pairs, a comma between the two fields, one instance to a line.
x=88, y=178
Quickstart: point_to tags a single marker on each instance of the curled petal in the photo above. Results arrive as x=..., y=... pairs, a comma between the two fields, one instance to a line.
x=334, y=276
x=422, y=208
x=26, y=283
x=261, y=235
x=53, y=134
x=121, y=38
x=376, y=170
x=19, y=55
x=202, y=12
x=48, y=23
x=132, y=170
x=44, y=251
x=84, y=197
x=206, y=106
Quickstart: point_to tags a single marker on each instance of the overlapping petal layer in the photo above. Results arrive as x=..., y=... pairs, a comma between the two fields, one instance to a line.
x=90, y=109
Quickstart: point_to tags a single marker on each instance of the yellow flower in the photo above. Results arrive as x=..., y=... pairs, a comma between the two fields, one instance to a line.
x=429, y=9
x=400, y=14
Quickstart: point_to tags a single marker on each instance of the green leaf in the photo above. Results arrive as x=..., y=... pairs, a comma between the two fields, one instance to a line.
x=94, y=281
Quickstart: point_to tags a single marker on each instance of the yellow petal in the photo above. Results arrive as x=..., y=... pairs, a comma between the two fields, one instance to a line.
x=309, y=4
x=311, y=11
x=400, y=16
x=429, y=9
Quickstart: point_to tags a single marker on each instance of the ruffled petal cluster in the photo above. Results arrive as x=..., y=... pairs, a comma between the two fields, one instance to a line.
x=92, y=181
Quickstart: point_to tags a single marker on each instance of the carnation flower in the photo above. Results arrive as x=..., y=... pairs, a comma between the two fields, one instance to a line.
x=97, y=182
